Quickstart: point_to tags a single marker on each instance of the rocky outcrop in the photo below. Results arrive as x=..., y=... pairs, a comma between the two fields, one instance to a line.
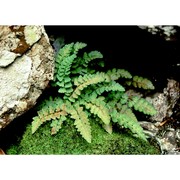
x=162, y=126
x=26, y=66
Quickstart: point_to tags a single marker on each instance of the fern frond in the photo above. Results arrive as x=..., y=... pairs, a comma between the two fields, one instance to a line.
x=140, y=82
x=87, y=57
x=81, y=63
x=81, y=121
x=90, y=79
x=57, y=124
x=124, y=109
x=112, y=86
x=63, y=79
x=91, y=56
x=98, y=89
x=83, y=81
x=96, y=78
x=114, y=96
x=61, y=54
x=115, y=74
x=128, y=120
x=78, y=46
x=142, y=105
x=124, y=98
x=52, y=109
x=108, y=127
x=64, y=60
x=64, y=52
x=98, y=107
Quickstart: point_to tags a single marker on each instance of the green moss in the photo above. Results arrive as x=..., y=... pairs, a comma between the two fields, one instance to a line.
x=68, y=141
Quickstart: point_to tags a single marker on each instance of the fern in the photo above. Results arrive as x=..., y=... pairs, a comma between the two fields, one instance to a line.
x=98, y=107
x=115, y=74
x=83, y=81
x=57, y=124
x=81, y=122
x=64, y=60
x=108, y=127
x=81, y=64
x=86, y=94
x=140, y=82
x=81, y=119
x=142, y=105
x=51, y=110
x=112, y=86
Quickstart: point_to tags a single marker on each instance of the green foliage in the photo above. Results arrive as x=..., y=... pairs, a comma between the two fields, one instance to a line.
x=115, y=74
x=82, y=122
x=81, y=65
x=140, y=82
x=142, y=105
x=86, y=94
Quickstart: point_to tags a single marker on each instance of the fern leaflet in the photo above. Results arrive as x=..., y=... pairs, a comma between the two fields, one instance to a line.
x=81, y=122
x=98, y=107
x=57, y=124
x=142, y=105
x=51, y=109
x=127, y=120
x=140, y=82
x=115, y=74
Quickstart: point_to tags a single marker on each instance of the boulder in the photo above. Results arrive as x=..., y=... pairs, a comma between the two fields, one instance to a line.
x=26, y=67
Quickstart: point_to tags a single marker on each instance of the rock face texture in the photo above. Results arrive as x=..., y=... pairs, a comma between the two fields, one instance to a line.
x=161, y=126
x=26, y=66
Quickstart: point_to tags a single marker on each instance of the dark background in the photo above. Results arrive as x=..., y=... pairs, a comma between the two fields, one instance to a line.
x=129, y=47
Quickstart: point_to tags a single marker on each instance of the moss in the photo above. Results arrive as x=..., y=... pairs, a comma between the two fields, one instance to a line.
x=68, y=141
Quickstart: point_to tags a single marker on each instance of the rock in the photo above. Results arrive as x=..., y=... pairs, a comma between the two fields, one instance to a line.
x=149, y=128
x=165, y=102
x=26, y=67
x=166, y=146
x=167, y=141
x=167, y=32
x=177, y=135
x=160, y=102
x=161, y=127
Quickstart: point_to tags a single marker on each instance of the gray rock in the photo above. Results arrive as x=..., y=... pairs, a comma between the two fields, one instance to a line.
x=167, y=32
x=165, y=102
x=149, y=127
x=177, y=135
x=7, y=57
x=26, y=67
x=166, y=135
x=167, y=141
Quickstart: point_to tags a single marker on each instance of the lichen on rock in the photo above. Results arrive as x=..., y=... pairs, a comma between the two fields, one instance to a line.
x=32, y=34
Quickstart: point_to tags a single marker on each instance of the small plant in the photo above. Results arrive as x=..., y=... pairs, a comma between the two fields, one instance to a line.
x=85, y=94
